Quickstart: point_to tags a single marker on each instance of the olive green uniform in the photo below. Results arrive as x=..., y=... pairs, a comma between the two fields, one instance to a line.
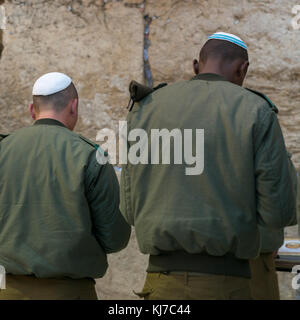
x=298, y=220
x=298, y=201
x=208, y=224
x=59, y=208
x=264, y=281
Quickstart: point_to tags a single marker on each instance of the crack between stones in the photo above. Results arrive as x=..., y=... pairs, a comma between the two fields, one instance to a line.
x=148, y=76
x=1, y=33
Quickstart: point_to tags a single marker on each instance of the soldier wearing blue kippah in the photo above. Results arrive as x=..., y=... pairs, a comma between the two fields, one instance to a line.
x=212, y=236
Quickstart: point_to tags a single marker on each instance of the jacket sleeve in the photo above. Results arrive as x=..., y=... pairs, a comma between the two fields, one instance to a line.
x=274, y=174
x=294, y=176
x=102, y=193
x=298, y=200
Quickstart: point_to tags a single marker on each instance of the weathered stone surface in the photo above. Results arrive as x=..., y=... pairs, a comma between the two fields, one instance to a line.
x=126, y=274
x=180, y=28
x=99, y=47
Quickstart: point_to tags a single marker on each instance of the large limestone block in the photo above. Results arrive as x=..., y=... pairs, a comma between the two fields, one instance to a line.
x=180, y=28
x=99, y=46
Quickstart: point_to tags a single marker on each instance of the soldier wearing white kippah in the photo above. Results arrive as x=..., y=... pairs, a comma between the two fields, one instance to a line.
x=59, y=208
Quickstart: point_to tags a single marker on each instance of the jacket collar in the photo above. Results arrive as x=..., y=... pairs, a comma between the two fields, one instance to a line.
x=49, y=121
x=209, y=77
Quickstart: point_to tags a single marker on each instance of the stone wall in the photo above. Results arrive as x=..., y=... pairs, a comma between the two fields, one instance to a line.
x=100, y=44
x=181, y=27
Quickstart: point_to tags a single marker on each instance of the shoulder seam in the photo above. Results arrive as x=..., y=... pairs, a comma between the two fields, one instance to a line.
x=263, y=96
x=94, y=145
x=3, y=136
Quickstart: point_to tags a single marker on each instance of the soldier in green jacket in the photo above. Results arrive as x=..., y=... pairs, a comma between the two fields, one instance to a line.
x=298, y=200
x=201, y=230
x=298, y=220
x=59, y=208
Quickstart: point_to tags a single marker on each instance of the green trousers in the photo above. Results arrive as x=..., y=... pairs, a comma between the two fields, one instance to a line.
x=264, y=281
x=32, y=288
x=191, y=286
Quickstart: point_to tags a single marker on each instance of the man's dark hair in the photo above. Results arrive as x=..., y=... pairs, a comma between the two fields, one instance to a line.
x=57, y=101
x=224, y=50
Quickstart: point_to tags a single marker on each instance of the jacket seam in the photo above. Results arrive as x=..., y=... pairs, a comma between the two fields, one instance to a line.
x=272, y=173
x=129, y=212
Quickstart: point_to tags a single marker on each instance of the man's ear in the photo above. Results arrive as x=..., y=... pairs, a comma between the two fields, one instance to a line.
x=32, y=111
x=196, y=66
x=74, y=107
x=240, y=73
x=247, y=64
x=244, y=68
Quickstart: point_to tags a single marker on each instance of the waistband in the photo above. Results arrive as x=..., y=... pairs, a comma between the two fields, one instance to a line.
x=33, y=278
x=227, y=265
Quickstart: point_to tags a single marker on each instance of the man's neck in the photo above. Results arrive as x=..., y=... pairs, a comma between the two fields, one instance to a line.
x=213, y=71
x=48, y=121
x=53, y=116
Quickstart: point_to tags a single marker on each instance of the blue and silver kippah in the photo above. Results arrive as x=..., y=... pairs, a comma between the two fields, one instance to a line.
x=229, y=37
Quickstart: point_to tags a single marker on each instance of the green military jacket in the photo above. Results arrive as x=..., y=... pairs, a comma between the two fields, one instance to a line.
x=272, y=239
x=59, y=208
x=298, y=201
x=246, y=182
